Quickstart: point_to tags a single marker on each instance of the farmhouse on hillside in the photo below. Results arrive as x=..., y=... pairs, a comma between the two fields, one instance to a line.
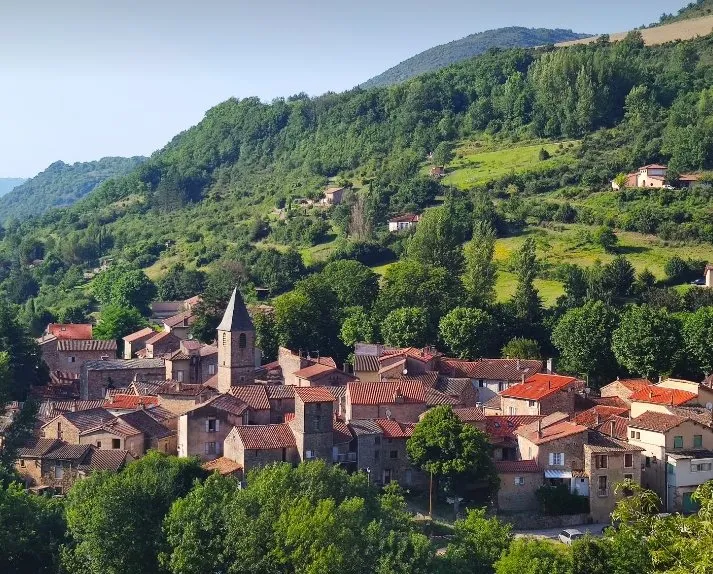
x=654, y=175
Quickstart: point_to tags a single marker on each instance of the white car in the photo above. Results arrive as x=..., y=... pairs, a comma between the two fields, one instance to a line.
x=570, y=535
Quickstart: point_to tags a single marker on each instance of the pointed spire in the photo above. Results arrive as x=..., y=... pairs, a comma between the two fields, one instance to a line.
x=236, y=317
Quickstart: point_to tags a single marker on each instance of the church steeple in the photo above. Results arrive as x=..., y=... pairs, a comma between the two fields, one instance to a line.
x=236, y=346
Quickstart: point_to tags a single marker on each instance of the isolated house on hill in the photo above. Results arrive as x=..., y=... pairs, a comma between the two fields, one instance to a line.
x=333, y=195
x=654, y=175
x=402, y=222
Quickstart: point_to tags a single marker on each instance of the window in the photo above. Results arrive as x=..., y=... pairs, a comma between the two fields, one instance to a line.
x=697, y=440
x=115, y=443
x=99, y=444
x=211, y=425
x=636, y=435
x=394, y=454
x=512, y=411
x=309, y=454
x=531, y=404
x=556, y=459
x=481, y=383
x=210, y=448
x=242, y=341
x=376, y=454
x=602, y=461
x=628, y=461
x=700, y=466
x=211, y=369
x=179, y=376
x=71, y=359
x=628, y=477
x=529, y=452
x=678, y=442
x=501, y=386
x=22, y=462
x=519, y=480
x=602, y=489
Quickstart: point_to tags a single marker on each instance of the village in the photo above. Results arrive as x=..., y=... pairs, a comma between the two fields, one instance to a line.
x=170, y=393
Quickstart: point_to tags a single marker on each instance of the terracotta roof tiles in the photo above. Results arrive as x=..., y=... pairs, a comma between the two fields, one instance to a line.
x=499, y=427
x=491, y=369
x=517, y=467
x=280, y=391
x=552, y=432
x=538, y=387
x=394, y=429
x=98, y=459
x=386, y=393
x=662, y=396
x=265, y=437
x=600, y=442
x=656, y=422
x=255, y=396
x=598, y=414
x=340, y=432
x=70, y=330
x=615, y=426
x=314, y=395
x=142, y=334
x=125, y=402
x=470, y=414
x=86, y=345
x=222, y=465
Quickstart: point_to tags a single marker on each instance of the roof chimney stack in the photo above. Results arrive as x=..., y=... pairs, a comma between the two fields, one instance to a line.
x=550, y=366
x=611, y=428
x=539, y=428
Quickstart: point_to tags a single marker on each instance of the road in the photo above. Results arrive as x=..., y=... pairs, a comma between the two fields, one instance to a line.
x=593, y=529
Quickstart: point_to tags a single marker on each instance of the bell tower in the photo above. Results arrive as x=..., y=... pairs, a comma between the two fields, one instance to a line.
x=236, y=346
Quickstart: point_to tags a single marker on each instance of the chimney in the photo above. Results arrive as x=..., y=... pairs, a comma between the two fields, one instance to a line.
x=522, y=377
x=74, y=406
x=398, y=397
x=660, y=379
x=539, y=428
x=518, y=364
x=550, y=366
x=611, y=428
x=596, y=414
x=178, y=386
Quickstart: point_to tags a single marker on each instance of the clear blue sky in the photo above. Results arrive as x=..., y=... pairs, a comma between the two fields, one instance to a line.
x=83, y=79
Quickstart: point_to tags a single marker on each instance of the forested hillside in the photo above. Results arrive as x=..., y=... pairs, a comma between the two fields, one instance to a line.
x=61, y=185
x=446, y=54
x=7, y=184
x=692, y=10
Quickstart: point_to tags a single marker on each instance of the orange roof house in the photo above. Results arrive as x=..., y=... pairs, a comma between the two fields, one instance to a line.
x=77, y=331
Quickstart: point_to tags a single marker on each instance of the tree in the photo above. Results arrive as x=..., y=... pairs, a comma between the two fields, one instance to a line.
x=117, y=321
x=543, y=154
x=583, y=338
x=530, y=556
x=526, y=303
x=621, y=179
x=647, y=341
x=698, y=338
x=606, y=238
x=467, y=332
x=32, y=528
x=134, y=289
x=353, y=282
x=358, y=326
x=455, y=453
x=406, y=327
x=181, y=283
x=266, y=337
x=438, y=239
x=618, y=278
x=479, y=542
x=480, y=270
x=115, y=519
x=443, y=154
x=519, y=348
x=590, y=556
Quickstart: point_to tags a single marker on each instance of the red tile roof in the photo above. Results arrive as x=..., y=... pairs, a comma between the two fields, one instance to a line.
x=161, y=336
x=86, y=345
x=395, y=429
x=598, y=414
x=552, y=432
x=435, y=397
x=289, y=417
x=222, y=465
x=70, y=330
x=177, y=388
x=470, y=414
x=633, y=384
x=130, y=401
x=178, y=320
x=265, y=437
x=499, y=427
x=340, y=432
x=656, y=422
x=653, y=166
x=255, y=396
x=314, y=395
x=406, y=218
x=423, y=355
x=491, y=369
x=662, y=396
x=539, y=386
x=616, y=427
x=517, y=466
x=143, y=333
x=386, y=393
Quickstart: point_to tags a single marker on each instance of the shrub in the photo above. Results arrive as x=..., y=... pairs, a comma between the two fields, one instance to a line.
x=559, y=501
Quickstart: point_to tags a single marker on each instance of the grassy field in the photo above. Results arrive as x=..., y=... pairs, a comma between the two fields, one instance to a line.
x=479, y=162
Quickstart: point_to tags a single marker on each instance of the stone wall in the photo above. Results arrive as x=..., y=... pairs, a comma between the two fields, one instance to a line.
x=514, y=497
x=93, y=383
x=405, y=413
x=532, y=521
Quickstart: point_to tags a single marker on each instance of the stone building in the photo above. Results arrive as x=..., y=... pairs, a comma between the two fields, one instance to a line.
x=192, y=363
x=403, y=401
x=313, y=423
x=282, y=401
x=395, y=464
x=135, y=342
x=236, y=346
x=68, y=355
x=491, y=376
x=98, y=376
x=259, y=445
x=541, y=394
x=519, y=482
x=655, y=398
x=160, y=345
x=180, y=397
x=624, y=388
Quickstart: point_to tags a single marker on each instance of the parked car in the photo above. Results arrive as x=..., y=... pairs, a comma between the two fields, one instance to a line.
x=570, y=535
x=700, y=281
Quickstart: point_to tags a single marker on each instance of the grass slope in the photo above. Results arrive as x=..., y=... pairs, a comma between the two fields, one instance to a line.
x=468, y=47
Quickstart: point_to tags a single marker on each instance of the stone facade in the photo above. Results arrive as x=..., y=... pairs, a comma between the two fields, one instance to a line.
x=106, y=440
x=570, y=446
x=562, y=401
x=250, y=459
x=192, y=370
x=313, y=427
x=97, y=376
x=403, y=412
x=202, y=431
x=605, y=470
x=396, y=467
x=517, y=491
x=236, y=346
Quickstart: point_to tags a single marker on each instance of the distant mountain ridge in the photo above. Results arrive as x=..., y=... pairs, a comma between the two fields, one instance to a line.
x=61, y=185
x=468, y=47
x=7, y=184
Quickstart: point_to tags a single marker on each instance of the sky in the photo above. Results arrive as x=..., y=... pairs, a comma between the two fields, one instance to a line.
x=85, y=79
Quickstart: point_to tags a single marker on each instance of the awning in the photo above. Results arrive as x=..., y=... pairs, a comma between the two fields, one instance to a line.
x=558, y=474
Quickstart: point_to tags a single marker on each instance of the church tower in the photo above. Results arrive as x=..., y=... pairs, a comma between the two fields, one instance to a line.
x=236, y=346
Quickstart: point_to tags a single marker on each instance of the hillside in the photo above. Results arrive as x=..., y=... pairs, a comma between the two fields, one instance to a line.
x=61, y=185
x=446, y=54
x=7, y=184
x=683, y=29
x=693, y=10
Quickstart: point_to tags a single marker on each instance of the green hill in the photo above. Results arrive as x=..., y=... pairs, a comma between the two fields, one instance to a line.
x=61, y=185
x=7, y=184
x=446, y=54
x=693, y=10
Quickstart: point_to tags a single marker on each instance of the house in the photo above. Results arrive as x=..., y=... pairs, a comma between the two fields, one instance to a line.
x=291, y=362
x=402, y=401
x=136, y=341
x=402, y=222
x=159, y=345
x=192, y=362
x=313, y=424
x=98, y=376
x=654, y=175
x=624, y=388
x=373, y=362
x=703, y=392
x=709, y=276
x=598, y=415
x=686, y=471
x=663, y=434
x=237, y=356
x=179, y=397
x=259, y=445
x=541, y=394
x=64, y=331
x=321, y=375
x=491, y=376
x=461, y=390
x=660, y=399
x=333, y=195
x=118, y=404
x=438, y=171
x=519, y=482
x=282, y=401
x=395, y=464
x=257, y=400
x=180, y=324
x=473, y=416
x=501, y=434
x=72, y=353
x=607, y=462
x=156, y=435
x=202, y=430
x=557, y=445
x=224, y=466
